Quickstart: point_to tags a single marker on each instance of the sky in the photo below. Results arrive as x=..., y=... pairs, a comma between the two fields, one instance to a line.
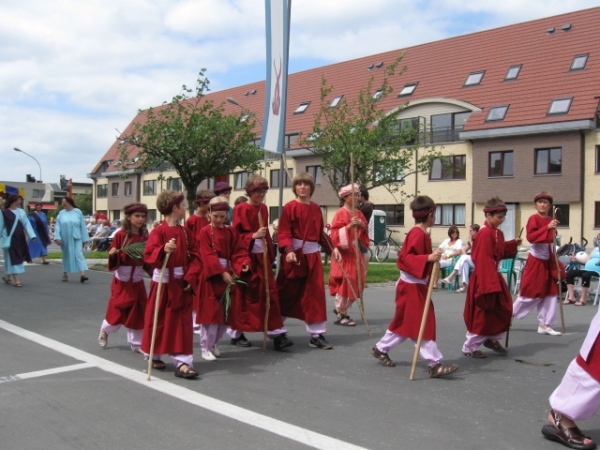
x=74, y=73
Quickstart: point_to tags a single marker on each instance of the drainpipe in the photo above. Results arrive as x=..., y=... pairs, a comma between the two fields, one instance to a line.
x=582, y=184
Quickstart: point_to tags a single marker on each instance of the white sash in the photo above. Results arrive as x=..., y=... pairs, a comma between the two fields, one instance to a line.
x=408, y=278
x=308, y=247
x=177, y=273
x=540, y=250
x=123, y=273
x=257, y=247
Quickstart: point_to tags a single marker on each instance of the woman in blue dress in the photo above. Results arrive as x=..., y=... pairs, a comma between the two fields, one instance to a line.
x=39, y=222
x=13, y=226
x=70, y=233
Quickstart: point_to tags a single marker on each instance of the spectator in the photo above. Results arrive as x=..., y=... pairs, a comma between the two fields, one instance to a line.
x=101, y=234
x=91, y=227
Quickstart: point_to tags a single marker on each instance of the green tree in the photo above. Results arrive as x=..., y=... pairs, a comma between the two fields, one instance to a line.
x=84, y=202
x=384, y=148
x=194, y=137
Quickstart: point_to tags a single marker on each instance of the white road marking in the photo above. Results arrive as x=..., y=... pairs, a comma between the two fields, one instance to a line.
x=292, y=432
x=42, y=373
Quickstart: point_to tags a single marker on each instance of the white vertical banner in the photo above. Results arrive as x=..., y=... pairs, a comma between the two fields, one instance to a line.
x=278, y=39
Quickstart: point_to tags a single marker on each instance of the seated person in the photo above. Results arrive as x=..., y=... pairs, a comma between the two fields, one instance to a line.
x=101, y=234
x=105, y=243
x=91, y=227
x=591, y=269
x=464, y=265
x=451, y=247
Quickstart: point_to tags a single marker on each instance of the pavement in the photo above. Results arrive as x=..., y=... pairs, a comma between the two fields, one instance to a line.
x=60, y=390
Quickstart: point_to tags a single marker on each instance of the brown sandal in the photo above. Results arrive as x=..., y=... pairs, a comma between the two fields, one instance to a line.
x=569, y=437
x=495, y=346
x=383, y=358
x=441, y=370
x=6, y=279
x=476, y=354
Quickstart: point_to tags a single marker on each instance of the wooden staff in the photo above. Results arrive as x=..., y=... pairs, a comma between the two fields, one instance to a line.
x=436, y=267
x=266, y=268
x=362, y=312
x=359, y=297
x=562, y=314
x=156, y=305
x=509, y=327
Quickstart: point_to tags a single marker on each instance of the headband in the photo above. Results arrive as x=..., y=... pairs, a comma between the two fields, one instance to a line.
x=138, y=207
x=257, y=187
x=347, y=190
x=219, y=206
x=501, y=208
x=221, y=186
x=543, y=196
x=421, y=213
x=168, y=209
x=202, y=200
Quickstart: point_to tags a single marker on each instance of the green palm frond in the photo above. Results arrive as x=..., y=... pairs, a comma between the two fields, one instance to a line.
x=226, y=298
x=135, y=250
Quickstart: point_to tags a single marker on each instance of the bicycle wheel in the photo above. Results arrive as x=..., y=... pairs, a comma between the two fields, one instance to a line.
x=382, y=252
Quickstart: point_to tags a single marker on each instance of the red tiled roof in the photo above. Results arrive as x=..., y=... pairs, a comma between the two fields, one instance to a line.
x=442, y=67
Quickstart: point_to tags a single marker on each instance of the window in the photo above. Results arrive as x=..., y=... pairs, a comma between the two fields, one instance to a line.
x=301, y=108
x=560, y=106
x=513, y=73
x=316, y=173
x=408, y=89
x=596, y=214
x=496, y=113
x=174, y=184
x=446, y=127
x=336, y=101
x=449, y=168
x=409, y=130
x=377, y=94
x=548, y=161
x=287, y=182
x=564, y=211
x=116, y=214
x=151, y=217
x=579, y=62
x=273, y=213
x=128, y=189
x=394, y=214
x=598, y=159
x=500, y=164
x=450, y=214
x=290, y=139
x=102, y=190
x=474, y=78
x=240, y=180
x=150, y=187
x=390, y=171
x=105, y=165
x=114, y=189
x=37, y=193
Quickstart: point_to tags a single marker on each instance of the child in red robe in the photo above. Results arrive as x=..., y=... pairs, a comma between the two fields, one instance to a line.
x=128, y=297
x=174, y=334
x=300, y=280
x=415, y=262
x=193, y=225
x=247, y=314
x=348, y=227
x=223, y=257
x=539, y=284
x=488, y=307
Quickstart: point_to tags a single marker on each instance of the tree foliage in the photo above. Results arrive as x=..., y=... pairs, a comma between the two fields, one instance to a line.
x=84, y=202
x=384, y=148
x=192, y=136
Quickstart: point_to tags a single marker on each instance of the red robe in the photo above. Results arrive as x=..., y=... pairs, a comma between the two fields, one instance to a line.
x=410, y=297
x=247, y=312
x=344, y=238
x=218, y=243
x=174, y=333
x=489, y=306
x=303, y=298
x=540, y=277
x=127, y=301
x=195, y=223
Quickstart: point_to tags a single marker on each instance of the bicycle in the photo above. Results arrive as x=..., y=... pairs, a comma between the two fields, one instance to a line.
x=382, y=250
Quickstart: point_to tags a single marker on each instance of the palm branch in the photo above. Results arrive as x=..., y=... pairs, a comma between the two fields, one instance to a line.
x=226, y=297
x=135, y=250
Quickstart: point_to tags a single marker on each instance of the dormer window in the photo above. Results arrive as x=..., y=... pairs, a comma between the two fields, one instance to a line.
x=474, y=78
x=560, y=106
x=513, y=72
x=336, y=101
x=377, y=94
x=496, y=113
x=579, y=62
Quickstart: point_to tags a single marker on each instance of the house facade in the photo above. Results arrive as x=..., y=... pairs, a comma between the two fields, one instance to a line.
x=513, y=111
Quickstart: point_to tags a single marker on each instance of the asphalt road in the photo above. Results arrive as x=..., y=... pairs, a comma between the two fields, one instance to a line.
x=60, y=390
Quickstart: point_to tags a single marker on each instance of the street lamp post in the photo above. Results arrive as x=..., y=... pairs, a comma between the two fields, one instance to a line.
x=38, y=163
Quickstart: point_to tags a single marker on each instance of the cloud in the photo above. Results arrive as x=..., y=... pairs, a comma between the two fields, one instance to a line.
x=72, y=72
